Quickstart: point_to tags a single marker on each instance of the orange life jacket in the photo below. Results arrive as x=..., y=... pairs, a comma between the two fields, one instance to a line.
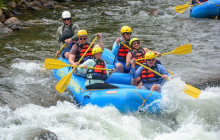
x=138, y=55
x=99, y=74
x=147, y=76
x=122, y=52
x=82, y=51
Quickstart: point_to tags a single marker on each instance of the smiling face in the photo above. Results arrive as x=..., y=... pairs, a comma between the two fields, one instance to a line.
x=66, y=21
x=151, y=62
x=82, y=39
x=98, y=55
x=127, y=36
x=136, y=45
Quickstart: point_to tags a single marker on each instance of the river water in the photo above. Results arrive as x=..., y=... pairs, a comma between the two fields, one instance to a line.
x=30, y=104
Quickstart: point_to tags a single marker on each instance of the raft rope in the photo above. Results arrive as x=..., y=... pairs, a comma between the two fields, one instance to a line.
x=144, y=100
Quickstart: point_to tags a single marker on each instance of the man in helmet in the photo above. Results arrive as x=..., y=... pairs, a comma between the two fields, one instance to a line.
x=68, y=31
x=95, y=78
x=137, y=52
x=150, y=80
x=80, y=47
x=120, y=51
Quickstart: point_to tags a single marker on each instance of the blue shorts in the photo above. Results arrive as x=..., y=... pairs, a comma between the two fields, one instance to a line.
x=67, y=49
x=124, y=66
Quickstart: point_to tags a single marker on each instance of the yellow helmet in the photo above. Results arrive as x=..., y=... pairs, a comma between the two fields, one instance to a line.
x=132, y=40
x=82, y=32
x=126, y=29
x=150, y=55
x=96, y=49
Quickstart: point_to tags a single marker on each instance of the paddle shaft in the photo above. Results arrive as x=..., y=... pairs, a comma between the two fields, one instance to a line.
x=59, y=65
x=63, y=83
x=126, y=45
x=188, y=89
x=150, y=69
x=60, y=50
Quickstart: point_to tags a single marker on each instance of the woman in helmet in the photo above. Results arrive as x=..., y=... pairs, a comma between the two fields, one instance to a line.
x=95, y=78
x=68, y=31
x=137, y=52
x=120, y=51
x=150, y=80
x=79, y=48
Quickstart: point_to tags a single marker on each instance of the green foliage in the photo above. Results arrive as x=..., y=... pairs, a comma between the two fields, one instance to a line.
x=2, y=4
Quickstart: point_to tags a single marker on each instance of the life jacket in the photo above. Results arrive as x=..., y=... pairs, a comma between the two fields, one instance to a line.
x=122, y=52
x=96, y=73
x=147, y=76
x=138, y=55
x=67, y=32
x=83, y=50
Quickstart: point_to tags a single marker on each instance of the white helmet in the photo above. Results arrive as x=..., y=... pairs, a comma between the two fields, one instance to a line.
x=66, y=14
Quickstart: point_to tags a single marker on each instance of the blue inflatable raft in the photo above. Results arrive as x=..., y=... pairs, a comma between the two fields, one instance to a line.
x=209, y=9
x=126, y=99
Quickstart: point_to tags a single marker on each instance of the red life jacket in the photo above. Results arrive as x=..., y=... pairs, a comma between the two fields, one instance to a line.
x=122, y=52
x=138, y=55
x=147, y=76
x=84, y=48
x=82, y=51
x=99, y=74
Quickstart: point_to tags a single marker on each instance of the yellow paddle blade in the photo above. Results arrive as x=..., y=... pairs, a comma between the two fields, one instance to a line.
x=54, y=64
x=181, y=8
x=63, y=83
x=184, y=49
x=192, y=91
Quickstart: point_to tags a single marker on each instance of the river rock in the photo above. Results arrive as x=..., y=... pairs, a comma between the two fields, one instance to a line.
x=13, y=23
x=49, y=4
x=156, y=12
x=4, y=29
x=35, y=133
x=6, y=13
x=2, y=16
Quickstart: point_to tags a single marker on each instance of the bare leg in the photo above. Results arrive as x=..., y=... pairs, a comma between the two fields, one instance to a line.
x=133, y=82
x=155, y=87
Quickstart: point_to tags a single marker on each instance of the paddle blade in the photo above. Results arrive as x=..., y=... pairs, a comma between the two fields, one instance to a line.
x=192, y=91
x=54, y=64
x=181, y=8
x=184, y=49
x=63, y=83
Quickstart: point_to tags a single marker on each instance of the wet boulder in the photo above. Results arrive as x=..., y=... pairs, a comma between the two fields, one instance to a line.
x=4, y=29
x=156, y=12
x=13, y=23
x=2, y=16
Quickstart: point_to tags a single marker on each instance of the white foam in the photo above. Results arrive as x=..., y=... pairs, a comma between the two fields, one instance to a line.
x=29, y=67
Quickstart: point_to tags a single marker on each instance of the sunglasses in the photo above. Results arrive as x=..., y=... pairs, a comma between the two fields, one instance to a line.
x=136, y=43
x=127, y=33
x=66, y=19
x=82, y=38
x=150, y=59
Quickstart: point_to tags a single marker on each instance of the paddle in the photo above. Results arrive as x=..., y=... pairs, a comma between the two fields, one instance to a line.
x=184, y=49
x=60, y=50
x=63, y=83
x=57, y=64
x=126, y=45
x=188, y=89
x=182, y=8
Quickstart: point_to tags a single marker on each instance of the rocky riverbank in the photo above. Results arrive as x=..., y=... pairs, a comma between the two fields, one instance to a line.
x=9, y=10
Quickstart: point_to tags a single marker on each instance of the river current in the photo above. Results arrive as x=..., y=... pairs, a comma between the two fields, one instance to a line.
x=30, y=103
